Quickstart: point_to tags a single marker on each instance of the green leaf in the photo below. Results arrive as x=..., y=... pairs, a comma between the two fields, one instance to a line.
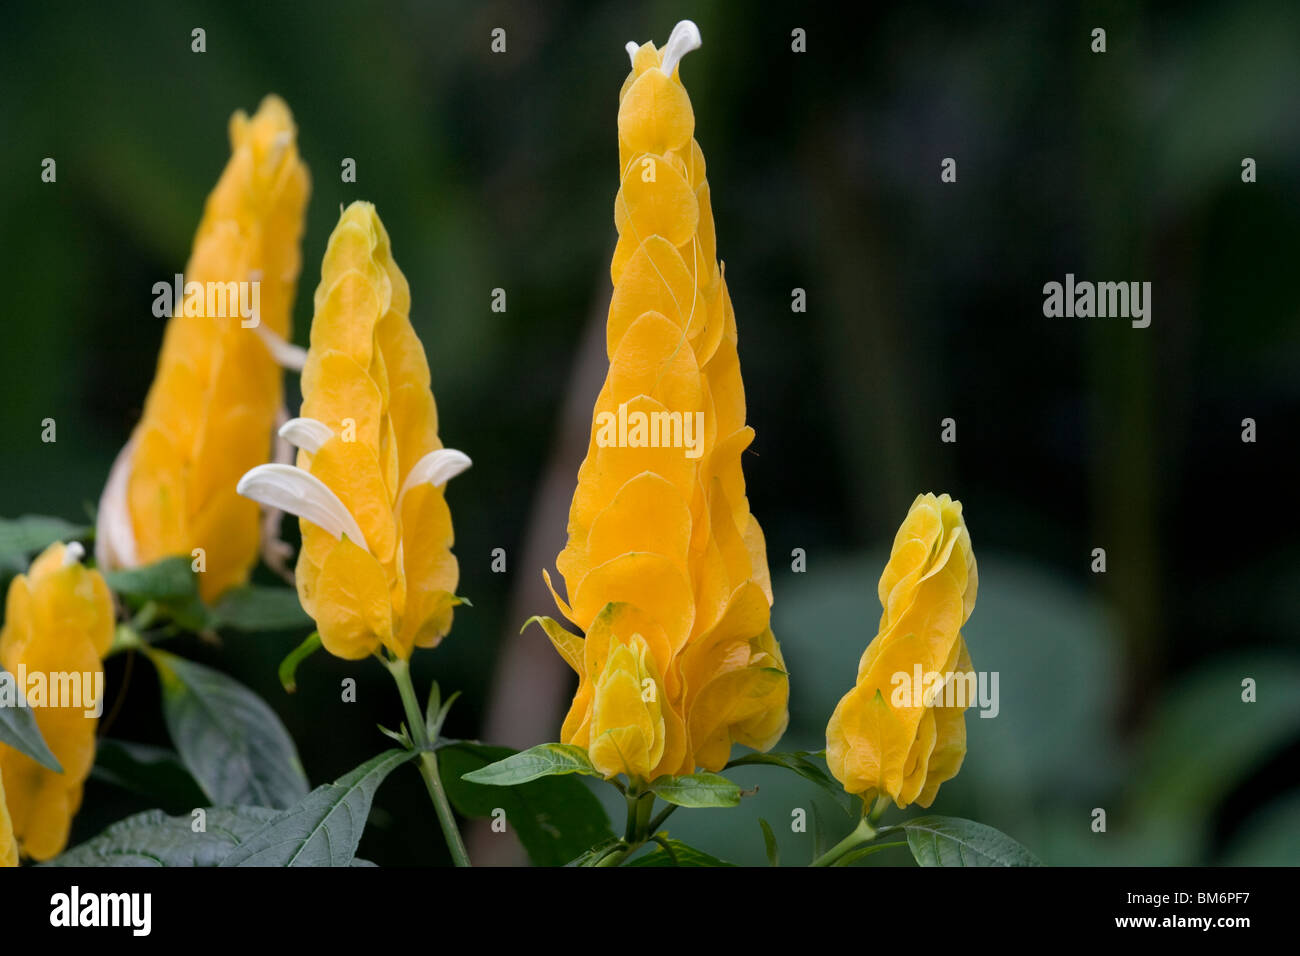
x=544, y=760
x=436, y=710
x=698, y=790
x=252, y=608
x=799, y=763
x=22, y=537
x=153, y=772
x=677, y=853
x=154, y=839
x=325, y=827
x=820, y=842
x=556, y=818
x=289, y=666
x=769, y=843
x=18, y=727
x=951, y=841
x=227, y=736
x=169, y=581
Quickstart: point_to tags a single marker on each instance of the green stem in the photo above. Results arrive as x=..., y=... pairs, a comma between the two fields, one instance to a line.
x=658, y=821
x=401, y=671
x=863, y=833
x=878, y=810
x=629, y=831
x=645, y=806
x=639, y=827
x=614, y=857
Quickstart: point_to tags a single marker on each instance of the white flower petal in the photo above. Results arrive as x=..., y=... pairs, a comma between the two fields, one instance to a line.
x=306, y=433
x=286, y=354
x=631, y=48
x=114, y=533
x=73, y=552
x=684, y=38
x=436, y=468
x=302, y=494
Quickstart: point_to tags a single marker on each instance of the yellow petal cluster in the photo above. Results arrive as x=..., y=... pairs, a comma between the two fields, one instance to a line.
x=896, y=744
x=367, y=380
x=58, y=621
x=665, y=567
x=210, y=413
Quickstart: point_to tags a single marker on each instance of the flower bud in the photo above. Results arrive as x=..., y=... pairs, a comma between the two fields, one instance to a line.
x=887, y=735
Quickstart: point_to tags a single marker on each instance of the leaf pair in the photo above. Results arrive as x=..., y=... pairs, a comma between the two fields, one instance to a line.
x=547, y=760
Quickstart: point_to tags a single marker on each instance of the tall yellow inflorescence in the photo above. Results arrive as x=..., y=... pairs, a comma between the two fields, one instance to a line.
x=665, y=567
x=58, y=627
x=210, y=413
x=890, y=735
x=376, y=567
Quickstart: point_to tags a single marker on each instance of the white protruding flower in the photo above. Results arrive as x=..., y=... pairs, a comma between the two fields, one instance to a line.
x=684, y=38
x=302, y=494
x=286, y=354
x=306, y=433
x=114, y=534
x=436, y=468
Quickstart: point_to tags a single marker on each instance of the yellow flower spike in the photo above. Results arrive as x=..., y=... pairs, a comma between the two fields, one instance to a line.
x=376, y=568
x=665, y=568
x=211, y=410
x=58, y=622
x=885, y=735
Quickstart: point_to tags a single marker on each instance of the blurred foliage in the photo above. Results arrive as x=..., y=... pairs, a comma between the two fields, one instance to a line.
x=1120, y=692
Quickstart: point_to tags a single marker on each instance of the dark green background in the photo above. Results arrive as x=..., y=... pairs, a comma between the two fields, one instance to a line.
x=1119, y=691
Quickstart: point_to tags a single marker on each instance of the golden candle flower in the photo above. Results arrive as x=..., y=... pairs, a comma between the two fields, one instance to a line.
x=376, y=567
x=888, y=734
x=58, y=627
x=210, y=414
x=665, y=567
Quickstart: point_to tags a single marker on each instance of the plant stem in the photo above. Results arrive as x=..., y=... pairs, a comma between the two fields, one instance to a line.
x=629, y=831
x=878, y=810
x=658, y=821
x=401, y=671
x=639, y=828
x=863, y=833
x=614, y=857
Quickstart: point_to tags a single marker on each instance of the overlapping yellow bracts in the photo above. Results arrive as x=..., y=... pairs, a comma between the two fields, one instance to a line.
x=894, y=744
x=665, y=568
x=8, y=845
x=367, y=379
x=210, y=412
x=58, y=620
